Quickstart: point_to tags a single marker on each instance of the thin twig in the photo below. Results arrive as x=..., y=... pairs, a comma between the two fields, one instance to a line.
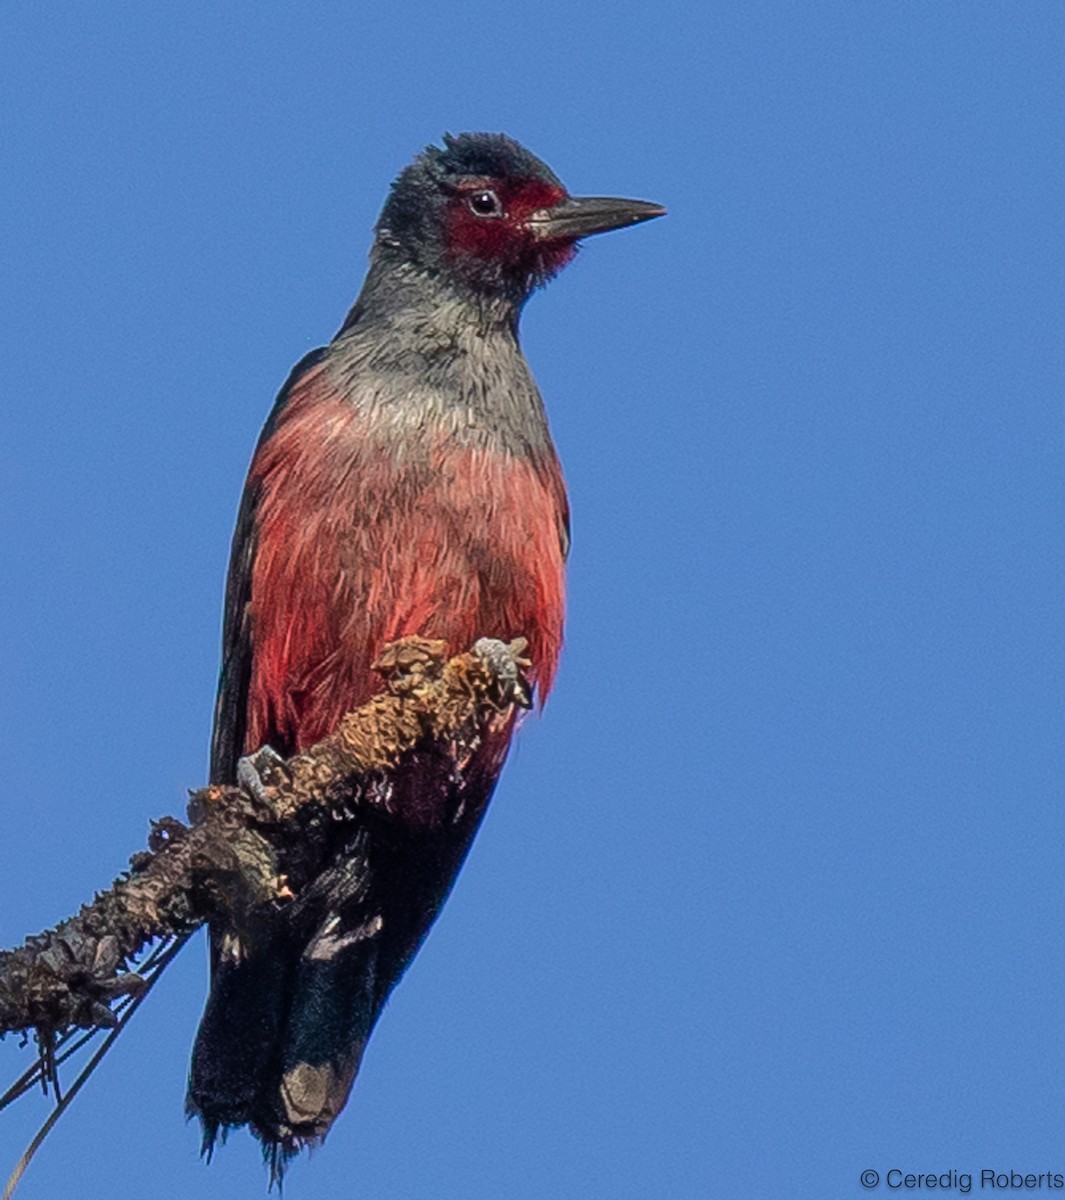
x=63, y=1104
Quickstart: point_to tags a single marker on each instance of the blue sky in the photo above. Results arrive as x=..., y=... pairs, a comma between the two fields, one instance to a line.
x=771, y=894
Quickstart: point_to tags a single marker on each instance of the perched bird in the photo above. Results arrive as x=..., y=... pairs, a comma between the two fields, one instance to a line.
x=405, y=483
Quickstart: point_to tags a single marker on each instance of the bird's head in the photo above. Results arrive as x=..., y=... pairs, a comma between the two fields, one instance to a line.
x=491, y=217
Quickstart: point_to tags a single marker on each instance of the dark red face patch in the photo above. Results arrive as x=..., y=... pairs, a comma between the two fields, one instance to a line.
x=503, y=242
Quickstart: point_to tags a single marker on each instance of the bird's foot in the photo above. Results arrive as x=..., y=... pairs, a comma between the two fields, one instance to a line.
x=507, y=663
x=260, y=772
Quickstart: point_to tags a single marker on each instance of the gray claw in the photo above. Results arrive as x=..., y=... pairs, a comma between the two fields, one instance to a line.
x=505, y=663
x=259, y=772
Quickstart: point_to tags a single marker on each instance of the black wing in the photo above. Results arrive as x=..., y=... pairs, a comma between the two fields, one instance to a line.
x=231, y=706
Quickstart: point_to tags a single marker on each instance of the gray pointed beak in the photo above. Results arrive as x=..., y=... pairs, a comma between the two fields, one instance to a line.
x=581, y=216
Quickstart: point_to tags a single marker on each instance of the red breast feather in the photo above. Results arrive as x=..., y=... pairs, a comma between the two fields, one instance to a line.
x=361, y=541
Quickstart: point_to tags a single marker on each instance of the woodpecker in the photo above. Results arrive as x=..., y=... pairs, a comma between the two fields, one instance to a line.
x=405, y=483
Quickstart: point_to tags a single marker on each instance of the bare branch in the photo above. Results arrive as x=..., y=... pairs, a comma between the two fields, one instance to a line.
x=245, y=847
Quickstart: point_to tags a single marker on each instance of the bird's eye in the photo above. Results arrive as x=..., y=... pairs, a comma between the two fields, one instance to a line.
x=485, y=204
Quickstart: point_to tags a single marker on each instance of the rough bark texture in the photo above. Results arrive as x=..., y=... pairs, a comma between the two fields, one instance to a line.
x=242, y=852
